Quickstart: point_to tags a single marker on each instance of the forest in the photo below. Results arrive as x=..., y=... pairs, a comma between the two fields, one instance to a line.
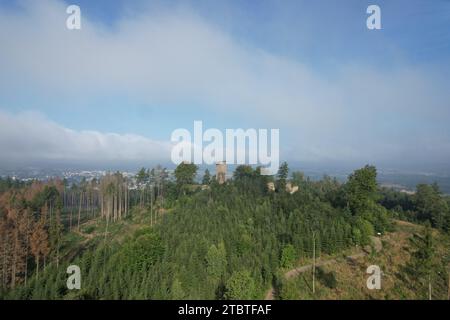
x=179, y=236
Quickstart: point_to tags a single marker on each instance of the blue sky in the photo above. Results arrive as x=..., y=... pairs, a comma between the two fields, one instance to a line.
x=338, y=92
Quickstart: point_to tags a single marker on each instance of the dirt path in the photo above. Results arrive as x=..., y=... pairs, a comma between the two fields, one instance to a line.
x=377, y=244
x=297, y=271
x=270, y=294
x=86, y=236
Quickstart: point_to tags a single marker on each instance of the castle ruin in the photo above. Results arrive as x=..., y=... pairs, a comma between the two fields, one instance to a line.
x=221, y=172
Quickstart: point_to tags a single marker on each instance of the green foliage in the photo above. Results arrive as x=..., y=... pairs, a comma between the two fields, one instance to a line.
x=283, y=172
x=176, y=290
x=431, y=206
x=421, y=266
x=8, y=183
x=243, y=172
x=361, y=189
x=141, y=251
x=206, y=177
x=142, y=177
x=427, y=205
x=229, y=241
x=216, y=261
x=328, y=279
x=240, y=286
x=288, y=256
x=185, y=173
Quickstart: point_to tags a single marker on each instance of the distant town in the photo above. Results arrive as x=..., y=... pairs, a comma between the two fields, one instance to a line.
x=399, y=181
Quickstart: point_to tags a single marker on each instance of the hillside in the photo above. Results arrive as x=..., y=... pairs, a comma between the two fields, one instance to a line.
x=348, y=271
x=180, y=240
x=348, y=267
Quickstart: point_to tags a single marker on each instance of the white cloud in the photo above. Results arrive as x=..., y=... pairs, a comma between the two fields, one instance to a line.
x=29, y=138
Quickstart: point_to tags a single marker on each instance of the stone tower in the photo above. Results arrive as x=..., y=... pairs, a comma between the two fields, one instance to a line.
x=221, y=172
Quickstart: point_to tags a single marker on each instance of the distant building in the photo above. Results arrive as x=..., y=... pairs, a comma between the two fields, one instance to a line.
x=290, y=188
x=221, y=172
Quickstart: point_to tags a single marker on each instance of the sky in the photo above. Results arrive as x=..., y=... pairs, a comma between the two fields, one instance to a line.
x=114, y=91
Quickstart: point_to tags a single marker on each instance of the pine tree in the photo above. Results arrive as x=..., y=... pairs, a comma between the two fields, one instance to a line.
x=421, y=265
x=206, y=178
x=39, y=243
x=216, y=261
x=283, y=172
x=176, y=290
x=240, y=286
x=288, y=256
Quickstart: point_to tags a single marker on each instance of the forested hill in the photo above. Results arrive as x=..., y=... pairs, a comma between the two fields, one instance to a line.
x=161, y=238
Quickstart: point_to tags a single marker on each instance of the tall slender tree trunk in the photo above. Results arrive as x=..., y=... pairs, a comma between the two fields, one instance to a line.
x=120, y=201
x=429, y=287
x=57, y=256
x=151, y=206
x=14, y=262
x=37, y=267
x=314, y=264
x=126, y=199
x=101, y=205
x=71, y=211
x=79, y=210
x=115, y=207
x=448, y=286
x=26, y=249
x=5, y=264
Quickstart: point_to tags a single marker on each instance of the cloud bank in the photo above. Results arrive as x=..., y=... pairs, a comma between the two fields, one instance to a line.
x=29, y=138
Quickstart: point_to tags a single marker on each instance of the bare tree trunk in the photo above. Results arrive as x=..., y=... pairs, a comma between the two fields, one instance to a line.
x=126, y=199
x=93, y=204
x=5, y=264
x=448, y=288
x=71, y=211
x=151, y=206
x=115, y=206
x=101, y=205
x=57, y=252
x=79, y=210
x=50, y=211
x=429, y=287
x=26, y=250
x=120, y=201
x=314, y=264
x=14, y=262
x=37, y=267
x=88, y=201
x=111, y=207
